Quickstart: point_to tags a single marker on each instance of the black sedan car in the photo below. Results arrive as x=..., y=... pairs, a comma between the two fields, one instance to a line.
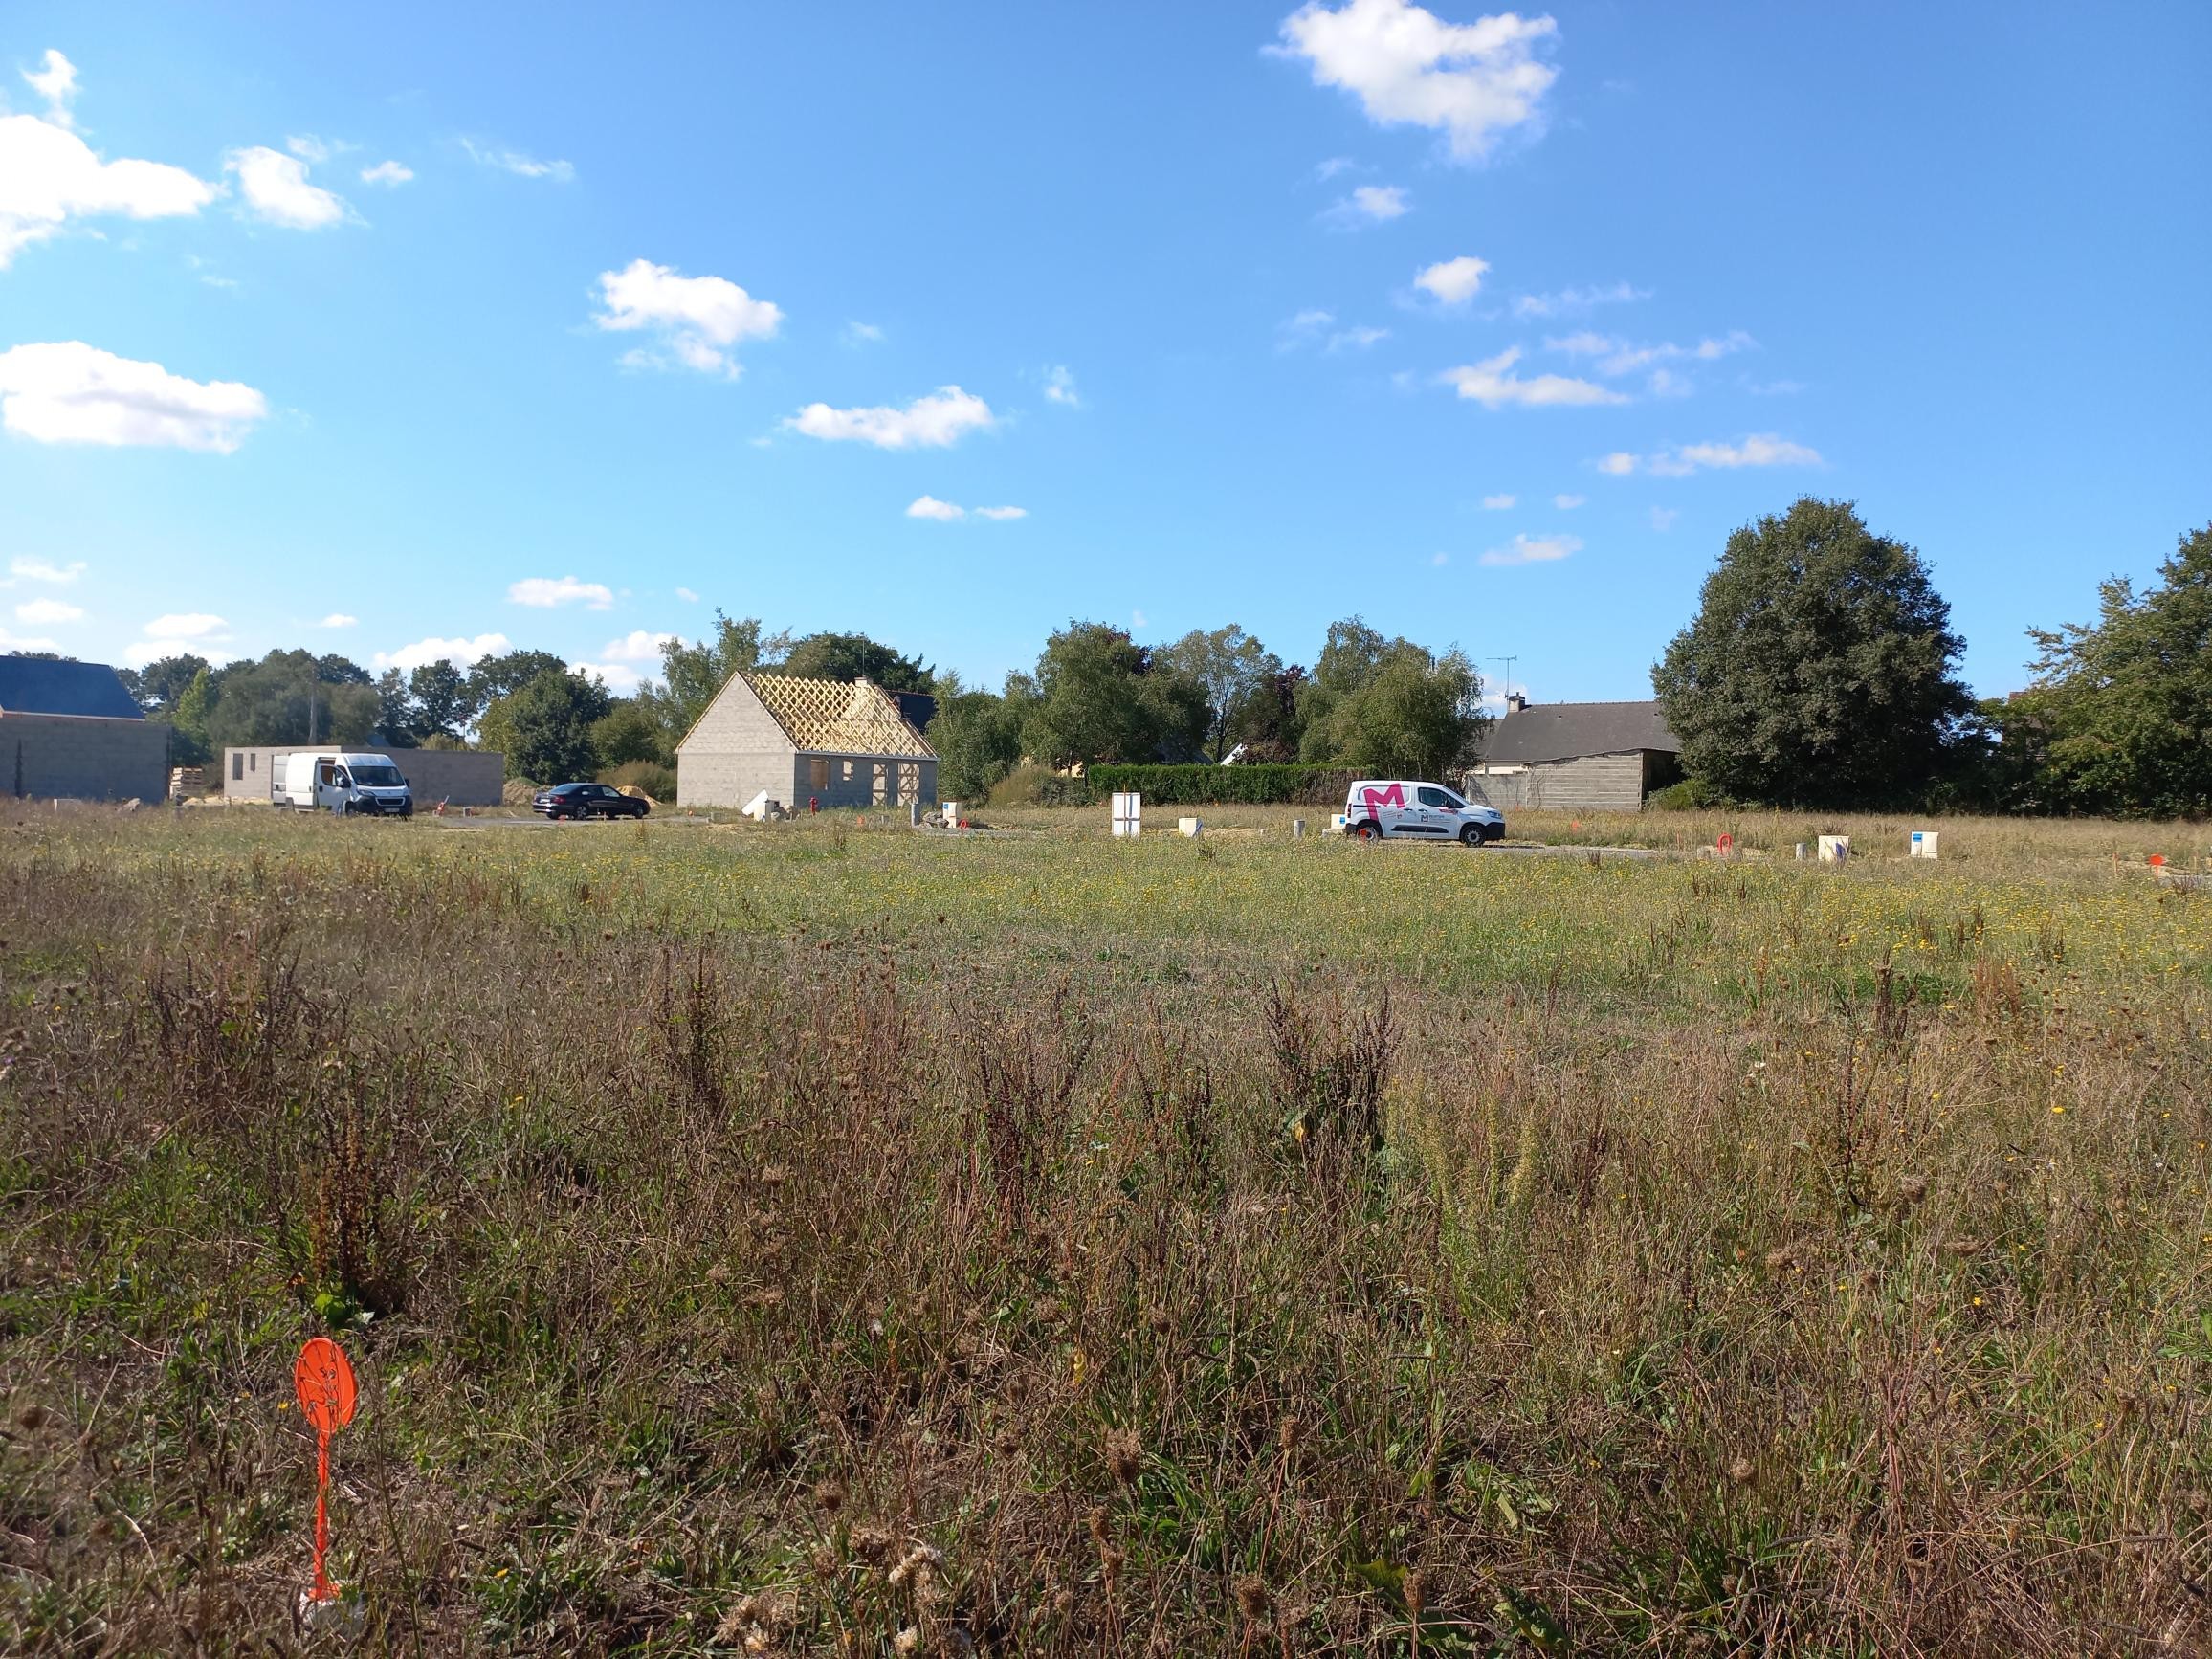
x=587, y=801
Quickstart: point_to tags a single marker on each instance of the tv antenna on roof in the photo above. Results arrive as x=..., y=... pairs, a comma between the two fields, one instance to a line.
x=1508, y=661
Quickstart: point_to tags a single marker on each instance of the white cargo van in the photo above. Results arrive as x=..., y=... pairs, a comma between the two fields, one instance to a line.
x=334, y=780
x=1409, y=809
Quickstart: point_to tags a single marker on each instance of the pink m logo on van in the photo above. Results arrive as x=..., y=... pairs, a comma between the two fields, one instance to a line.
x=1393, y=796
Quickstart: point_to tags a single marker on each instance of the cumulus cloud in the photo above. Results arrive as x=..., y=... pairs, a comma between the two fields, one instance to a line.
x=1356, y=339
x=44, y=570
x=1569, y=301
x=687, y=596
x=547, y=591
x=516, y=161
x=1617, y=357
x=40, y=612
x=1492, y=384
x=186, y=625
x=934, y=422
x=697, y=317
x=274, y=188
x=1060, y=386
x=1759, y=449
x=1306, y=326
x=862, y=334
x=641, y=645
x=387, y=173
x=68, y=392
x=1473, y=83
x=48, y=176
x=460, y=653
x=619, y=677
x=1497, y=503
x=1566, y=504
x=338, y=619
x=308, y=147
x=1663, y=518
x=1454, y=281
x=1369, y=205
x=946, y=511
x=55, y=81
x=1525, y=549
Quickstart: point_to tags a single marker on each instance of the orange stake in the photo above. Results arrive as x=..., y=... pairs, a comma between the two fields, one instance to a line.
x=323, y=1376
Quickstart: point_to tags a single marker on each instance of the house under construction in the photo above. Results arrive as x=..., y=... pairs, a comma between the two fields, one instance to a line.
x=804, y=739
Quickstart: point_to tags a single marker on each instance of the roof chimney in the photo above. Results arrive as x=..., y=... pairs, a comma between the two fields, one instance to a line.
x=1514, y=703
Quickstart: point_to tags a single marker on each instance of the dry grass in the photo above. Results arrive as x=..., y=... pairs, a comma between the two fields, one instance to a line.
x=738, y=1259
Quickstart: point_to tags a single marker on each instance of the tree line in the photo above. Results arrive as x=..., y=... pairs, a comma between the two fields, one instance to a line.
x=1820, y=669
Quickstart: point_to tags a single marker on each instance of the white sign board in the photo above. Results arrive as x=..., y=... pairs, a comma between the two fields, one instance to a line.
x=1924, y=842
x=1835, y=849
x=1188, y=827
x=1128, y=813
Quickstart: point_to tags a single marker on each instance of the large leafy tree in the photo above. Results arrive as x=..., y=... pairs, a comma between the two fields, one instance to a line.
x=492, y=677
x=444, y=703
x=269, y=701
x=626, y=732
x=851, y=656
x=977, y=736
x=2119, y=718
x=1100, y=696
x=158, y=684
x=1236, y=672
x=693, y=672
x=1819, y=669
x=1388, y=706
x=544, y=727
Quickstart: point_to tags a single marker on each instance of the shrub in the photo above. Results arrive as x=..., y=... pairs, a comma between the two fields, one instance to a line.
x=651, y=776
x=1691, y=795
x=1261, y=785
x=1023, y=786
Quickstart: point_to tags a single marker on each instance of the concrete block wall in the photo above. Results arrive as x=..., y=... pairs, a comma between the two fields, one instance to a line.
x=460, y=777
x=847, y=780
x=82, y=757
x=1586, y=784
x=735, y=751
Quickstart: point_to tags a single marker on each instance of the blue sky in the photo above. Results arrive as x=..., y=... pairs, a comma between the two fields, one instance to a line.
x=566, y=326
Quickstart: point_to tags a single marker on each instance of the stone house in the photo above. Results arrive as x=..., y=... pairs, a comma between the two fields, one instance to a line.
x=1576, y=757
x=71, y=730
x=801, y=741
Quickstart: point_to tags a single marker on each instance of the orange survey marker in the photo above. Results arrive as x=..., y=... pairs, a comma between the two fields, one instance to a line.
x=324, y=1378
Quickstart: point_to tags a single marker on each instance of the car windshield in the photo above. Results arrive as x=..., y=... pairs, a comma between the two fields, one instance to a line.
x=377, y=777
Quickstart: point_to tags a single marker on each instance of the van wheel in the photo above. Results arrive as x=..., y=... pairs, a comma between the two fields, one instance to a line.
x=1370, y=830
x=1472, y=835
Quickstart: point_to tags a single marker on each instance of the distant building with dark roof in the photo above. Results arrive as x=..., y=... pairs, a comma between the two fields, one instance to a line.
x=1576, y=757
x=71, y=730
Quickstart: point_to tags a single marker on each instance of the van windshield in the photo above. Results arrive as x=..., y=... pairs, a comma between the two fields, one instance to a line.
x=377, y=777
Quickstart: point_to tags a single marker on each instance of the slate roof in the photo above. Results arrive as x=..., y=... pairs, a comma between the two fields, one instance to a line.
x=827, y=716
x=34, y=685
x=1564, y=731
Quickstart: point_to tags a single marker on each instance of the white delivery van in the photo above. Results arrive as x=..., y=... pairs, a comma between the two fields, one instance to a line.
x=1408, y=810
x=335, y=781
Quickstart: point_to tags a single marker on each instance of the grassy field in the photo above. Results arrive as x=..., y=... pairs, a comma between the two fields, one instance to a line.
x=827, y=1239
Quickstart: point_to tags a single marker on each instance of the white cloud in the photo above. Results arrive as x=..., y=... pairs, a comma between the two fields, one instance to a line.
x=1663, y=518
x=68, y=392
x=56, y=84
x=547, y=591
x=338, y=619
x=1441, y=559
x=1060, y=386
x=687, y=596
x=1454, y=281
x=1138, y=619
x=1324, y=171
x=307, y=147
x=15, y=642
x=41, y=611
x=276, y=189
x=696, y=316
x=1003, y=514
x=1623, y=357
x=862, y=334
x=460, y=653
x=1566, y=504
x=1299, y=330
x=1491, y=384
x=1474, y=81
x=1356, y=339
x=525, y=166
x=1759, y=449
x=387, y=173
x=933, y=422
x=1568, y=301
x=1497, y=503
x=48, y=176
x=642, y=645
x=41, y=570
x=184, y=625
x=618, y=678
x=1525, y=549
x=930, y=507
x=1666, y=383
x=1369, y=205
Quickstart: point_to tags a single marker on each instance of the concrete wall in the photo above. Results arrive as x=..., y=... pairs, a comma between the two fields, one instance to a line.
x=861, y=780
x=1586, y=784
x=462, y=777
x=735, y=752
x=83, y=758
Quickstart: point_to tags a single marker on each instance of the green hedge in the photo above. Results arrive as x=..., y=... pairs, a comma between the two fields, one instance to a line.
x=1218, y=786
